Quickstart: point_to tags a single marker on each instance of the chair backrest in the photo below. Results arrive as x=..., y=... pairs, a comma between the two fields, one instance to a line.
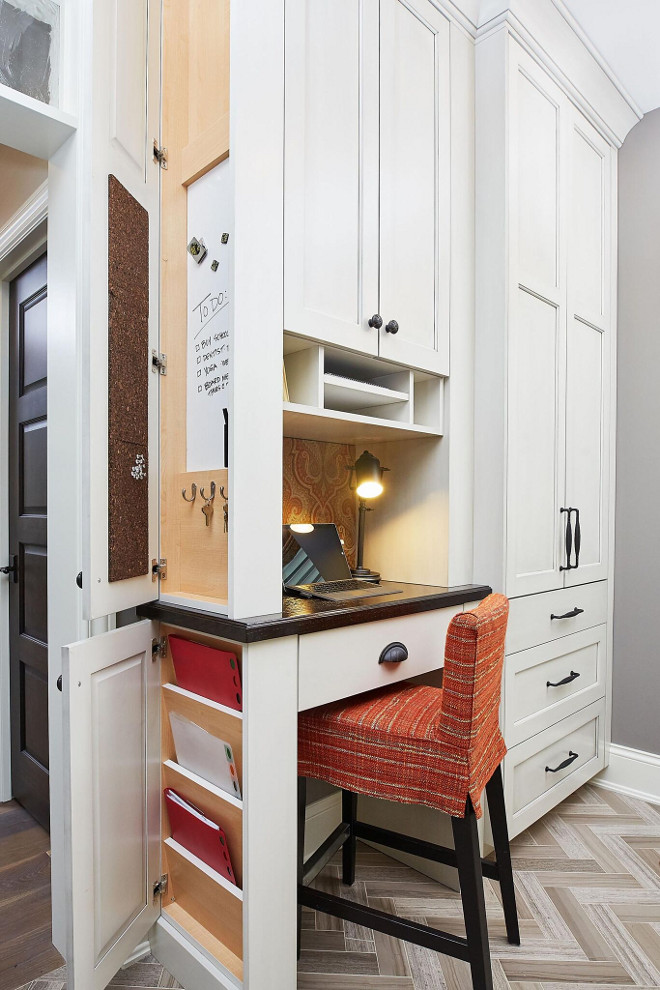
x=472, y=682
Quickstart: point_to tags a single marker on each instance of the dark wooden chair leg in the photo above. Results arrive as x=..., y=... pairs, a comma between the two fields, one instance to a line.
x=302, y=803
x=468, y=861
x=348, y=817
x=495, y=795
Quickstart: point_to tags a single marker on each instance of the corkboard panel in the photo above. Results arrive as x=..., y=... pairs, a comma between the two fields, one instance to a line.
x=128, y=384
x=315, y=487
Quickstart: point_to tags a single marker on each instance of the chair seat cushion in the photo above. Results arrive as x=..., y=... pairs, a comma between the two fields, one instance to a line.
x=387, y=744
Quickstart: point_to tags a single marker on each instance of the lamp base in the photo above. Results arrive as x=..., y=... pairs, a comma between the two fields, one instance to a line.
x=365, y=574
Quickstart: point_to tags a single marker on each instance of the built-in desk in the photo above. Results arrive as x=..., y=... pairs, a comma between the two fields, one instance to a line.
x=310, y=653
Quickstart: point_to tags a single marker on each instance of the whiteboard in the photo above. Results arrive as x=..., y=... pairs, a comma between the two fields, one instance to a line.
x=210, y=320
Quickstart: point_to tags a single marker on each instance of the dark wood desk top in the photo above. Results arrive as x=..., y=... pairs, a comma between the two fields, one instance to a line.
x=305, y=615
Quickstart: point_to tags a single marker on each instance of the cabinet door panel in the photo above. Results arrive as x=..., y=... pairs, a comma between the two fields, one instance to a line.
x=331, y=171
x=589, y=238
x=587, y=471
x=414, y=179
x=123, y=117
x=535, y=133
x=111, y=799
x=536, y=462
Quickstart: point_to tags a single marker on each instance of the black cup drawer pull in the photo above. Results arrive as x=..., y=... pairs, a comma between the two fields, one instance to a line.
x=569, y=615
x=393, y=653
x=571, y=758
x=566, y=680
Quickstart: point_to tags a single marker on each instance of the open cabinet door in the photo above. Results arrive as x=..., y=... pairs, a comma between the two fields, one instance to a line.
x=120, y=288
x=111, y=798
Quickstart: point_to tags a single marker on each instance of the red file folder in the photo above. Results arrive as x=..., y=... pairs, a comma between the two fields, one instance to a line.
x=198, y=834
x=211, y=673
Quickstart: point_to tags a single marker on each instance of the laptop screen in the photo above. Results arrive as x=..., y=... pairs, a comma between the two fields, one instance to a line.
x=314, y=556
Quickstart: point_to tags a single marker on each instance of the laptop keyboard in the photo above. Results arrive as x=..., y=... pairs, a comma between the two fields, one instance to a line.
x=353, y=585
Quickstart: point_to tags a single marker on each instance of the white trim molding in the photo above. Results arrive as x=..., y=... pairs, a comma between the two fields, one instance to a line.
x=33, y=212
x=633, y=773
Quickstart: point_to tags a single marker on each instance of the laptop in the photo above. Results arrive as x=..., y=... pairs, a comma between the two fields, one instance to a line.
x=314, y=566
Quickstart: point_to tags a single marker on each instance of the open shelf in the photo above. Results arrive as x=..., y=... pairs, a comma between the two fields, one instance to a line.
x=336, y=395
x=335, y=426
x=210, y=946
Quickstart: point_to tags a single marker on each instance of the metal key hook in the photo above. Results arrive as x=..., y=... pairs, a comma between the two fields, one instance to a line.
x=193, y=492
x=206, y=497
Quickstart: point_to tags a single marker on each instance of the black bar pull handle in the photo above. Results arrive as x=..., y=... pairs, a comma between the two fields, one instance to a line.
x=568, y=615
x=568, y=543
x=578, y=538
x=571, y=758
x=566, y=680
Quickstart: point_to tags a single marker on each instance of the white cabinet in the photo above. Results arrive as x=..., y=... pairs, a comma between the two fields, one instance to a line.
x=554, y=180
x=367, y=130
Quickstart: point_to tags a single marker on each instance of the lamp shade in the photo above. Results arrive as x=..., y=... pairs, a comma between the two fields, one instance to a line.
x=368, y=476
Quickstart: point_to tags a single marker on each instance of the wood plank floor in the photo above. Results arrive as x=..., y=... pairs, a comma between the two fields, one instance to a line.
x=26, y=950
x=588, y=884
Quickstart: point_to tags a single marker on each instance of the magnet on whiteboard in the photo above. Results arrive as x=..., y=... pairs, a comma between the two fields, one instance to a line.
x=197, y=250
x=224, y=239
x=215, y=265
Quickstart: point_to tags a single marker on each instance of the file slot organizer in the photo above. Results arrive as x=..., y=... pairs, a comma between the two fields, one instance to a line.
x=198, y=900
x=340, y=395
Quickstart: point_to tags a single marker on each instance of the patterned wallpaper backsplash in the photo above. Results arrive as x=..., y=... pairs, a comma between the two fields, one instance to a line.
x=315, y=487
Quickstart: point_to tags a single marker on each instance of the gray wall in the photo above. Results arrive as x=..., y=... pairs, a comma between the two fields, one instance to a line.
x=636, y=696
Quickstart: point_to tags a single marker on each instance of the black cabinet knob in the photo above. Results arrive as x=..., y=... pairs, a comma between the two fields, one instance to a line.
x=393, y=653
x=59, y=683
x=392, y=327
x=376, y=321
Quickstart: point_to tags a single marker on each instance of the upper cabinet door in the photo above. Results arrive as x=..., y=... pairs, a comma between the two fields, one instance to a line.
x=119, y=319
x=589, y=348
x=111, y=800
x=414, y=184
x=331, y=171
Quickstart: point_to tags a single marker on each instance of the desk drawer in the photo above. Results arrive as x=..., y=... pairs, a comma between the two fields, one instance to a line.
x=530, y=622
x=535, y=698
x=339, y=663
x=531, y=790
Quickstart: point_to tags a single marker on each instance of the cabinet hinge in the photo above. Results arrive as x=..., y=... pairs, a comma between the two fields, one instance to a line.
x=159, y=647
x=159, y=569
x=160, y=886
x=159, y=362
x=160, y=155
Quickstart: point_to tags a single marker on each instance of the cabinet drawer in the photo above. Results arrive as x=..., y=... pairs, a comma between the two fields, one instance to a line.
x=531, y=789
x=535, y=698
x=342, y=662
x=530, y=621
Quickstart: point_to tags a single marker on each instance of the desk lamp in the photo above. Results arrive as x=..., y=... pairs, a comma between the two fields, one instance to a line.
x=368, y=484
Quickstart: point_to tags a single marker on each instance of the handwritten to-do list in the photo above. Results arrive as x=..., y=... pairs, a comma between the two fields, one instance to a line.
x=210, y=311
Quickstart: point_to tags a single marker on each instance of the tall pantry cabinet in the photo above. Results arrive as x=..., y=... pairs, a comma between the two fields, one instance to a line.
x=546, y=180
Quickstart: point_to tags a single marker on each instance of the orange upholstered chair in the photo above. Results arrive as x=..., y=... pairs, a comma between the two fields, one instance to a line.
x=439, y=747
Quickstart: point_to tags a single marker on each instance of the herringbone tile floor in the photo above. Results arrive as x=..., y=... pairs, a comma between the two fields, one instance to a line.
x=588, y=885
x=588, y=889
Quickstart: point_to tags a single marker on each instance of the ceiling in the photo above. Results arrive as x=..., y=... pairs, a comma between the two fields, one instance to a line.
x=626, y=34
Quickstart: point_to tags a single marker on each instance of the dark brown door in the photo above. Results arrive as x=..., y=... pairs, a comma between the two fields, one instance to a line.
x=28, y=591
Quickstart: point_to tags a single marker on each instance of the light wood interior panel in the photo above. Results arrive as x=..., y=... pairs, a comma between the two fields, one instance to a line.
x=219, y=723
x=216, y=910
x=203, y=937
x=195, y=132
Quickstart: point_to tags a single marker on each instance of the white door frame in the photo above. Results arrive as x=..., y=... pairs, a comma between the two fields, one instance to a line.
x=22, y=240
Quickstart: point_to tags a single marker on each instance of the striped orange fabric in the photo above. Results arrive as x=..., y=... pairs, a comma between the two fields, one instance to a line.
x=417, y=744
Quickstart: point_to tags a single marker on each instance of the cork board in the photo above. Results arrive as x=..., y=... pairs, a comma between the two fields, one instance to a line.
x=128, y=384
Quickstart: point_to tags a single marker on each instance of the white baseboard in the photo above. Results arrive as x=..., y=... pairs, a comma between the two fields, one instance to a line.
x=139, y=953
x=633, y=773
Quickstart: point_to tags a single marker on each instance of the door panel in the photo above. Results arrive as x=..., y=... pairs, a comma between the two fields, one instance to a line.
x=587, y=460
x=112, y=799
x=588, y=254
x=414, y=183
x=28, y=595
x=124, y=121
x=331, y=171
x=536, y=458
